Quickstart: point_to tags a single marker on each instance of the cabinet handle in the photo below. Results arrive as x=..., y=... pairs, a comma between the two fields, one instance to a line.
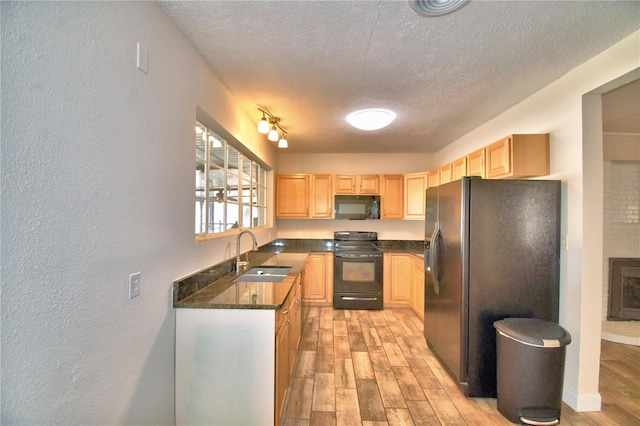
x=290, y=326
x=285, y=312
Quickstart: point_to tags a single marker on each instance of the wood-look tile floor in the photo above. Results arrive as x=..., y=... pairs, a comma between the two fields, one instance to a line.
x=373, y=368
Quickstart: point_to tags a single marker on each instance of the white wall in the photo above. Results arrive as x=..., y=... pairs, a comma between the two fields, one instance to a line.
x=97, y=183
x=353, y=164
x=576, y=159
x=97, y=175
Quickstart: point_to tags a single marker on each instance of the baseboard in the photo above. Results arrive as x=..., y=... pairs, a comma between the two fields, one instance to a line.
x=582, y=402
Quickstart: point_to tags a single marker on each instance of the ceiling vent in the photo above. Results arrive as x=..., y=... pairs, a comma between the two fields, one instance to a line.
x=433, y=8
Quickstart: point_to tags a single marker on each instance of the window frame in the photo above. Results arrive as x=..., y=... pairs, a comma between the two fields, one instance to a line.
x=245, y=188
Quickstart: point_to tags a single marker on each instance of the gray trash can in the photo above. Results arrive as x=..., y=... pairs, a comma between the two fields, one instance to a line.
x=530, y=370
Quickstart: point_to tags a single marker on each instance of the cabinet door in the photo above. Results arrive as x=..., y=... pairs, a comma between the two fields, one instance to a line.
x=499, y=158
x=295, y=317
x=415, y=186
x=392, y=197
x=475, y=163
x=345, y=184
x=292, y=196
x=445, y=174
x=369, y=184
x=417, y=291
x=434, y=178
x=401, y=270
x=459, y=168
x=321, y=197
x=282, y=369
x=318, y=279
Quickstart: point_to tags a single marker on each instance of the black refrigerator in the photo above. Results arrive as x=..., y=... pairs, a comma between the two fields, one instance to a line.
x=492, y=251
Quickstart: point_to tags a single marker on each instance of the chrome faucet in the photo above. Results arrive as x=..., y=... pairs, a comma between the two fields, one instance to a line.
x=239, y=262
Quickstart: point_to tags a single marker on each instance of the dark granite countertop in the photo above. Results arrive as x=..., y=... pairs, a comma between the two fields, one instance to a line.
x=215, y=288
x=225, y=293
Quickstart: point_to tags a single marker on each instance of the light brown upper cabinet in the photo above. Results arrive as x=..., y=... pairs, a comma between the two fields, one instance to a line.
x=445, y=174
x=292, y=196
x=518, y=156
x=475, y=163
x=459, y=168
x=392, y=199
x=434, y=178
x=357, y=184
x=321, y=197
x=415, y=185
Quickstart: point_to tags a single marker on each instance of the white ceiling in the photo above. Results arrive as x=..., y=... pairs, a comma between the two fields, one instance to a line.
x=312, y=62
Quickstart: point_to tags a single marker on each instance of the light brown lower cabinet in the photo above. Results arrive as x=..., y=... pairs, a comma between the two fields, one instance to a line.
x=416, y=299
x=318, y=279
x=289, y=330
x=397, y=279
x=404, y=282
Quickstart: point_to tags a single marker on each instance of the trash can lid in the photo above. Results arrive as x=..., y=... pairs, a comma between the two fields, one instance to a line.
x=533, y=332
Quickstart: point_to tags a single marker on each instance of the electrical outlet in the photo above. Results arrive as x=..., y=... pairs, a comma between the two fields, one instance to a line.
x=134, y=285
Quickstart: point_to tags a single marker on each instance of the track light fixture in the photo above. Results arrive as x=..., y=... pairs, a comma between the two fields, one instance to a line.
x=270, y=127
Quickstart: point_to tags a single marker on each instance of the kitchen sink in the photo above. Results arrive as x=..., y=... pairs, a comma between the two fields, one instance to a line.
x=265, y=274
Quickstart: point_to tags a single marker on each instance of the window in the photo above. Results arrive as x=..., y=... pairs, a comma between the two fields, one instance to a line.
x=231, y=188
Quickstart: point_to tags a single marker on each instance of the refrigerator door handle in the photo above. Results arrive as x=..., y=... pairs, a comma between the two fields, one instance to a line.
x=434, y=258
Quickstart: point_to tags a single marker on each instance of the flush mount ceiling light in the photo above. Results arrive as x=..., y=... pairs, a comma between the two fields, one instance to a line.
x=371, y=119
x=433, y=8
x=272, y=132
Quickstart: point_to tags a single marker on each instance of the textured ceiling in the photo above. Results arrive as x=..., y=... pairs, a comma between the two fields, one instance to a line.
x=313, y=62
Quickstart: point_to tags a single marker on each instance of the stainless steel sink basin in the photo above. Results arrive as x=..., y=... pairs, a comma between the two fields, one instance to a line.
x=265, y=274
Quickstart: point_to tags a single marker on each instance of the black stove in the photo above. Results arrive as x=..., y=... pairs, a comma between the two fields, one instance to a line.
x=357, y=276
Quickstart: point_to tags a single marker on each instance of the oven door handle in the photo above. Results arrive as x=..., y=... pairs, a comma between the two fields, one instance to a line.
x=357, y=256
x=358, y=298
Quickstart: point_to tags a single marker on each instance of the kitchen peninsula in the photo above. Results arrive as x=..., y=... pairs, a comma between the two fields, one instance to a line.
x=236, y=341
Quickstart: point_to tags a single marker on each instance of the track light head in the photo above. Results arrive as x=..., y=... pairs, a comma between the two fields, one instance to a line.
x=263, y=125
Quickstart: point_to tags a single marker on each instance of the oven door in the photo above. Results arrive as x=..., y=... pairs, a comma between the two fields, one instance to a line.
x=357, y=280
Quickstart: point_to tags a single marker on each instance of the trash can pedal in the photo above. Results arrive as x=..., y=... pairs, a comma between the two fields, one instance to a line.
x=538, y=422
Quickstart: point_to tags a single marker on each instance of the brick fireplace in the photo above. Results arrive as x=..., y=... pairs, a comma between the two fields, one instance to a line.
x=624, y=289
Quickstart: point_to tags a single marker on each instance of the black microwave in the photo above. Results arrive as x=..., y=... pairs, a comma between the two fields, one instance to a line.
x=357, y=207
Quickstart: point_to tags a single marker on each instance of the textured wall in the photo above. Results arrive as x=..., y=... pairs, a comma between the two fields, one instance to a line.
x=97, y=183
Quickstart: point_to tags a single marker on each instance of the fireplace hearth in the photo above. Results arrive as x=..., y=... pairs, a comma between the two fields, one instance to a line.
x=624, y=289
